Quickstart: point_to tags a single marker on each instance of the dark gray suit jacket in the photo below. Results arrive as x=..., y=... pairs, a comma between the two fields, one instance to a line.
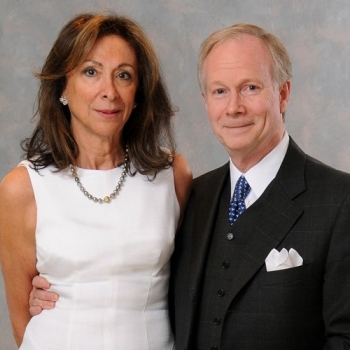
x=306, y=207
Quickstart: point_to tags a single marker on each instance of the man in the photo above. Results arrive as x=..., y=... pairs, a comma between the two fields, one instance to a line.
x=224, y=294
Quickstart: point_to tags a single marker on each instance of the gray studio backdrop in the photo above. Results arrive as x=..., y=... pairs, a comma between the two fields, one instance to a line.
x=316, y=32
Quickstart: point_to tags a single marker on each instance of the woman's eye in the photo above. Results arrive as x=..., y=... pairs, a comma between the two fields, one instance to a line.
x=90, y=72
x=219, y=91
x=124, y=75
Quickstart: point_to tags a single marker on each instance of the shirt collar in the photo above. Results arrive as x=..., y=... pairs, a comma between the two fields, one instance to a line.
x=262, y=173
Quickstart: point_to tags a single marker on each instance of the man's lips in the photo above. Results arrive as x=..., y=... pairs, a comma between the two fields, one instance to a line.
x=238, y=126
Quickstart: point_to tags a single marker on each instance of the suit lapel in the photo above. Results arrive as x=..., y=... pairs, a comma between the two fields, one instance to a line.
x=265, y=223
x=271, y=217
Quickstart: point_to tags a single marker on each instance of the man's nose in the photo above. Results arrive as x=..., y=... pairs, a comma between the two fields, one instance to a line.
x=235, y=104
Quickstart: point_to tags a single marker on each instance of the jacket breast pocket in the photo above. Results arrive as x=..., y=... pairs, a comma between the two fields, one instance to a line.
x=294, y=291
x=294, y=275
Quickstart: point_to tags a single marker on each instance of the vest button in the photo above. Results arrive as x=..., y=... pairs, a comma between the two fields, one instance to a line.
x=221, y=292
x=214, y=348
x=229, y=236
x=217, y=320
x=225, y=264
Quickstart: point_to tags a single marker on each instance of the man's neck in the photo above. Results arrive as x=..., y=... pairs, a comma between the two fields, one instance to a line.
x=244, y=161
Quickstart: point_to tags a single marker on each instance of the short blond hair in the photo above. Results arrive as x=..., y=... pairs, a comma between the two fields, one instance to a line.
x=281, y=69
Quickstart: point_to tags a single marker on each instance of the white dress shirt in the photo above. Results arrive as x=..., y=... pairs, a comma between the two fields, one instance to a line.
x=262, y=173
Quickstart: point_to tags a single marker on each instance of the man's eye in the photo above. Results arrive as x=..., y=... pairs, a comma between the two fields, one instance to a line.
x=219, y=91
x=250, y=88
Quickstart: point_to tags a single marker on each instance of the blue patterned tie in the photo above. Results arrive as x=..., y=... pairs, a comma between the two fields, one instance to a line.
x=237, y=205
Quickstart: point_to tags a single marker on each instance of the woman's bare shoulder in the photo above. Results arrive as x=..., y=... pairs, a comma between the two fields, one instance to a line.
x=16, y=187
x=17, y=201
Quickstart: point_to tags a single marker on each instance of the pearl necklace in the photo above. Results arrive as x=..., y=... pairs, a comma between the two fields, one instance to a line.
x=106, y=199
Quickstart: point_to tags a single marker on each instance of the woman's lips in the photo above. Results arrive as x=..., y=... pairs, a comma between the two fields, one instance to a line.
x=108, y=113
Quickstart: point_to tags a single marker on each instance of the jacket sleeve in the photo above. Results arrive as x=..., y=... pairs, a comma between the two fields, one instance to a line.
x=336, y=289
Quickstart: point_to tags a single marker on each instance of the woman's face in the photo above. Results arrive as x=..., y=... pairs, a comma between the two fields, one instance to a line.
x=101, y=91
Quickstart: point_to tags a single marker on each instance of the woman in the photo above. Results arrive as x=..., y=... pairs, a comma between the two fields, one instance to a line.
x=95, y=206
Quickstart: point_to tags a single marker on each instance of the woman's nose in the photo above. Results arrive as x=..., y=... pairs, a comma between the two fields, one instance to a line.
x=109, y=89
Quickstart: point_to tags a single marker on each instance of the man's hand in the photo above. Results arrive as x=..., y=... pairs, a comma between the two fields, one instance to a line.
x=40, y=298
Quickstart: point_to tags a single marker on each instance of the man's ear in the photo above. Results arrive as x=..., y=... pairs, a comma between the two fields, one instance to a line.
x=284, y=95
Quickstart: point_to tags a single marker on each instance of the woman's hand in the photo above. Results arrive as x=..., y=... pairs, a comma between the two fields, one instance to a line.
x=40, y=298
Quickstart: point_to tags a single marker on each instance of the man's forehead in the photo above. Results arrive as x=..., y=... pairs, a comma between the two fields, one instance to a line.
x=250, y=54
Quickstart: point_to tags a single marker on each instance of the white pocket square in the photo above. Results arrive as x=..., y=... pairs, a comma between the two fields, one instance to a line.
x=283, y=259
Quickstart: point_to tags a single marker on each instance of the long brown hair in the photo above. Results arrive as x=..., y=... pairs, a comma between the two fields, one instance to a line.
x=149, y=127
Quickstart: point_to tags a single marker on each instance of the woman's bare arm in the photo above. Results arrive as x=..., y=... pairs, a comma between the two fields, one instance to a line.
x=17, y=245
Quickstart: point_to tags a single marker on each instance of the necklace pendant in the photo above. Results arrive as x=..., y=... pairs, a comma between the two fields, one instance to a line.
x=107, y=199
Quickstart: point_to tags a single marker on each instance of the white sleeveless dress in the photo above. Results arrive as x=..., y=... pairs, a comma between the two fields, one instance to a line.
x=108, y=262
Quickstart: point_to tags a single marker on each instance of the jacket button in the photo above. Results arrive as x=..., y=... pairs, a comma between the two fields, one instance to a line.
x=229, y=236
x=217, y=320
x=221, y=293
x=225, y=264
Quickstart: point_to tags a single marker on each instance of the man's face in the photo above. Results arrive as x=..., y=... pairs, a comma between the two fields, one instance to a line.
x=243, y=102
